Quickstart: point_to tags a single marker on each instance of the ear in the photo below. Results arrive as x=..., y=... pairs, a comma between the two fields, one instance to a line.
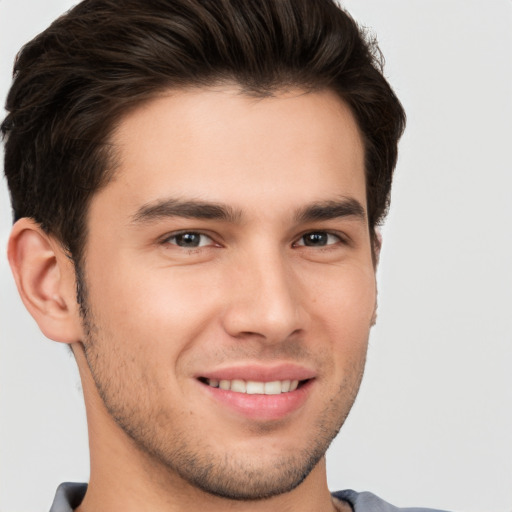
x=45, y=277
x=373, y=320
x=377, y=245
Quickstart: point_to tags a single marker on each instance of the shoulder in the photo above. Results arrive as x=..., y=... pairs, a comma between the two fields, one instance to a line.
x=68, y=496
x=368, y=502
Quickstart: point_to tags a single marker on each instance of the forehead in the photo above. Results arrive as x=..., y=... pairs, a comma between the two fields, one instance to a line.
x=220, y=145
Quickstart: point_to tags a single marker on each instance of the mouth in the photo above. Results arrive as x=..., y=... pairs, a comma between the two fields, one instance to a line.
x=253, y=387
x=260, y=393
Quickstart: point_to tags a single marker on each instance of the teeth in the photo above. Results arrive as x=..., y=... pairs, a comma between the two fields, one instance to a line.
x=273, y=388
x=255, y=388
x=252, y=387
x=238, y=385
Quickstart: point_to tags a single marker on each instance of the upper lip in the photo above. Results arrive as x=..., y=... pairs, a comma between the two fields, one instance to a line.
x=260, y=373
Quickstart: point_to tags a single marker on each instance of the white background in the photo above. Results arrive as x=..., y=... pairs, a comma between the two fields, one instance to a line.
x=433, y=423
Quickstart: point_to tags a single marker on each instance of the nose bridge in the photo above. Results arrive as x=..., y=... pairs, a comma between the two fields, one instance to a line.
x=266, y=301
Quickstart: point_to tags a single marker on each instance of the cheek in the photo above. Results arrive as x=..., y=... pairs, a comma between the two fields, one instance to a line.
x=344, y=307
x=347, y=295
x=164, y=309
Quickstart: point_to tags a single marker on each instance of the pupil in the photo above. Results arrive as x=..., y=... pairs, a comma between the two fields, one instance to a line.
x=314, y=239
x=188, y=240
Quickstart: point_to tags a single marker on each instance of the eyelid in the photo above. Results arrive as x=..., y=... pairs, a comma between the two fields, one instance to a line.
x=342, y=238
x=166, y=239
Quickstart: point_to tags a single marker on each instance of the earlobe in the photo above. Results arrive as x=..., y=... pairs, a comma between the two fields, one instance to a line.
x=45, y=279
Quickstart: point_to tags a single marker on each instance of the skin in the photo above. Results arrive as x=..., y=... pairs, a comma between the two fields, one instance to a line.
x=253, y=294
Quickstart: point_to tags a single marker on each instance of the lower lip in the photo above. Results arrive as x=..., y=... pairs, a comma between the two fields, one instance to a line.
x=261, y=407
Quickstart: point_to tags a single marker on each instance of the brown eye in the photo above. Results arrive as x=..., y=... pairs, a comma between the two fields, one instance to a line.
x=318, y=239
x=315, y=239
x=189, y=240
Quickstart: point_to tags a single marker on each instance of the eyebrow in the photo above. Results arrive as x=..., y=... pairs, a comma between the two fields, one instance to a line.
x=328, y=210
x=206, y=210
x=190, y=209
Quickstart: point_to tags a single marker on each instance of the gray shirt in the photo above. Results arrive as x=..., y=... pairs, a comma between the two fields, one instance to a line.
x=70, y=495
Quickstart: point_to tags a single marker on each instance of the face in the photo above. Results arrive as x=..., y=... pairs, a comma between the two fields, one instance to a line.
x=230, y=285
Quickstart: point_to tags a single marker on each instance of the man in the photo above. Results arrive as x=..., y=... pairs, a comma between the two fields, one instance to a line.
x=196, y=188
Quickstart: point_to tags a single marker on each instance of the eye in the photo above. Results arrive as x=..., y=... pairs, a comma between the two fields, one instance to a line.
x=189, y=240
x=318, y=239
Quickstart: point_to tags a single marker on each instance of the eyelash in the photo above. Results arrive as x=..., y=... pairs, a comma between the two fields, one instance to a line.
x=167, y=239
x=339, y=239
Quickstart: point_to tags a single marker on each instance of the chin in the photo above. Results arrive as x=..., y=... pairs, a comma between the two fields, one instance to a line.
x=243, y=480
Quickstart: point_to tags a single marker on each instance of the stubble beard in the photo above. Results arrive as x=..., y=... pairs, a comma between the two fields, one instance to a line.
x=177, y=451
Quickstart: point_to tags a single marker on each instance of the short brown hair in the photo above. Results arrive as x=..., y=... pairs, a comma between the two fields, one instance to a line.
x=74, y=82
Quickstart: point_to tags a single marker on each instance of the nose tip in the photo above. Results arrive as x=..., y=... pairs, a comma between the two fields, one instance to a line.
x=265, y=304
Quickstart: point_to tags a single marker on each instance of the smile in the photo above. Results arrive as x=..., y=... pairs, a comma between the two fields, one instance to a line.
x=251, y=387
x=266, y=394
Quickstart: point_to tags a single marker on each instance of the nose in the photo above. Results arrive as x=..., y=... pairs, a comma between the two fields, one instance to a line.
x=265, y=299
